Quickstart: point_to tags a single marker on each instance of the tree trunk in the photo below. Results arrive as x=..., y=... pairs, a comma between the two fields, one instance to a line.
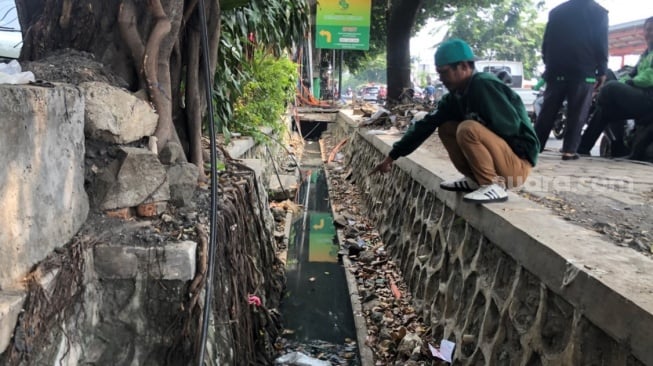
x=400, y=23
x=196, y=101
x=147, y=43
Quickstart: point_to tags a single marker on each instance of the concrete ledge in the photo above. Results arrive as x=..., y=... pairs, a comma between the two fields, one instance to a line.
x=174, y=261
x=610, y=286
x=238, y=147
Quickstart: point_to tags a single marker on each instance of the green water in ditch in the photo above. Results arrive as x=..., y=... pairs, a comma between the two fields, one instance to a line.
x=316, y=305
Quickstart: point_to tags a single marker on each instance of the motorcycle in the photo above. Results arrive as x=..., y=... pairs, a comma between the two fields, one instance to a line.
x=560, y=121
x=632, y=139
x=629, y=138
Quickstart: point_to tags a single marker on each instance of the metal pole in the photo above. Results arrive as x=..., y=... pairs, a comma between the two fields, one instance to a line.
x=342, y=52
x=333, y=71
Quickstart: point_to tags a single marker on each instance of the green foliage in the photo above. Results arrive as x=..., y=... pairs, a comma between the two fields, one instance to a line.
x=274, y=25
x=265, y=96
x=506, y=30
x=372, y=70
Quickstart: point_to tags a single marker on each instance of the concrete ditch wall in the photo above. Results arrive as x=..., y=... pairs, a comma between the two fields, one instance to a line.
x=491, y=280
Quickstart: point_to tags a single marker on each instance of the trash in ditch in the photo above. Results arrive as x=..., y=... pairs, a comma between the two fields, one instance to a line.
x=379, y=117
x=395, y=290
x=299, y=359
x=445, y=352
x=254, y=300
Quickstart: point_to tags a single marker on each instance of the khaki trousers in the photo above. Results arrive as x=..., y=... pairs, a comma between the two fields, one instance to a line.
x=480, y=154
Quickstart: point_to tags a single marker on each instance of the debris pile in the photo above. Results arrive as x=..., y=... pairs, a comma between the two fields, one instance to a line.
x=396, y=332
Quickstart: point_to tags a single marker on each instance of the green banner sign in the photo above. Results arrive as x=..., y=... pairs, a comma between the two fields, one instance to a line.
x=343, y=24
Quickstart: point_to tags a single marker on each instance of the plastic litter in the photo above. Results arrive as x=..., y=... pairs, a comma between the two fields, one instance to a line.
x=445, y=352
x=299, y=359
x=11, y=73
x=254, y=300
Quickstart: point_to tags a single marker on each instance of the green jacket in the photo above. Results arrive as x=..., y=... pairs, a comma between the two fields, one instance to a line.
x=642, y=76
x=486, y=100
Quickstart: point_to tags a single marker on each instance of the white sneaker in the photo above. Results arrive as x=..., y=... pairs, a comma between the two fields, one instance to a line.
x=486, y=194
x=463, y=184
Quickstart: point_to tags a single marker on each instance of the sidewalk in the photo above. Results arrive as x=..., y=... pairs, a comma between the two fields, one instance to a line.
x=610, y=196
x=559, y=244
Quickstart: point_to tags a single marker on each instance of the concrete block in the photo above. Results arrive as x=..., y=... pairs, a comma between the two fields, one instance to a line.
x=11, y=304
x=238, y=147
x=256, y=165
x=173, y=261
x=42, y=149
x=176, y=263
x=115, y=262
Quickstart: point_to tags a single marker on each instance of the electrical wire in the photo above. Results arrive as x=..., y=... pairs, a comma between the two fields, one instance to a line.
x=214, y=186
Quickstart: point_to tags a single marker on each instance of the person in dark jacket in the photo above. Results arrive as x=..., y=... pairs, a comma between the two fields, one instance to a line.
x=483, y=125
x=629, y=97
x=575, y=55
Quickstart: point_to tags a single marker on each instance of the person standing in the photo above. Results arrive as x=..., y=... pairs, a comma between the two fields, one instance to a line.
x=630, y=97
x=483, y=125
x=575, y=55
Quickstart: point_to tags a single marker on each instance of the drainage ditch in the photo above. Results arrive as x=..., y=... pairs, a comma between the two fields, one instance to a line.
x=316, y=309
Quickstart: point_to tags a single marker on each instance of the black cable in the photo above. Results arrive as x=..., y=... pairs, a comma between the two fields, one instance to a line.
x=214, y=185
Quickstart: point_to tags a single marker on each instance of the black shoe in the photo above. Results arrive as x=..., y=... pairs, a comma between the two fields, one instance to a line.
x=570, y=157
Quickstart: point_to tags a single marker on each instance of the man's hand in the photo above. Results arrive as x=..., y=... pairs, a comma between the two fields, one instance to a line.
x=599, y=82
x=383, y=167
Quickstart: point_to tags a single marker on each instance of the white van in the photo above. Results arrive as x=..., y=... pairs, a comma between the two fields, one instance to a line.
x=514, y=68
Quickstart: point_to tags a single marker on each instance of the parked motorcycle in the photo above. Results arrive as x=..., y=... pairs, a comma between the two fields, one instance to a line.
x=629, y=138
x=560, y=122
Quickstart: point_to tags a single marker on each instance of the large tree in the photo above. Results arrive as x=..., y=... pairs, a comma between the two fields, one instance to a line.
x=393, y=24
x=154, y=45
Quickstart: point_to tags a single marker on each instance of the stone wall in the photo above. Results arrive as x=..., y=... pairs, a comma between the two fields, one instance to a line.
x=481, y=280
x=117, y=292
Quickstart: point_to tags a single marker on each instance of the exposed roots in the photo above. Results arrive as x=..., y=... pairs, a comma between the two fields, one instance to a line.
x=246, y=265
x=54, y=291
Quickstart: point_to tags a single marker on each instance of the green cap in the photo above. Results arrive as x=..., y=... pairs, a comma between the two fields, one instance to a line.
x=452, y=51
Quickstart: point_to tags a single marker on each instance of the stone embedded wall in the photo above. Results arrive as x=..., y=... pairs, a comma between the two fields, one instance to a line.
x=469, y=289
x=120, y=297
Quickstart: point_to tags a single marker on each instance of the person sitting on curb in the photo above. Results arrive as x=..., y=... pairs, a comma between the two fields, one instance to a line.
x=483, y=125
x=629, y=97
